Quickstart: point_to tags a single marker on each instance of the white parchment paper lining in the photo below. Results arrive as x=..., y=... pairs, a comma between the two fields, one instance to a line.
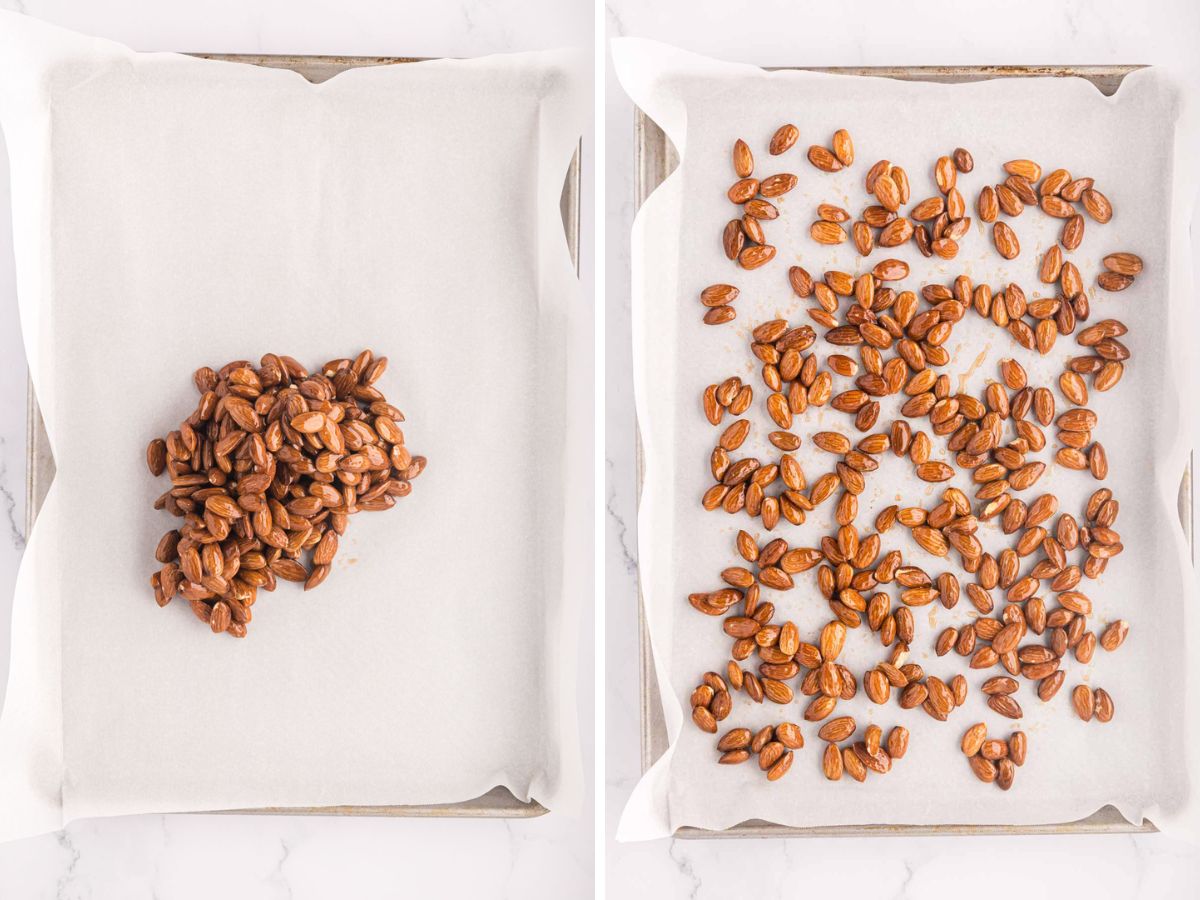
x=173, y=212
x=1135, y=144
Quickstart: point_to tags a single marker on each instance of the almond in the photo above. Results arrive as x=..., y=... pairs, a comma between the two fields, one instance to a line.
x=1025, y=168
x=823, y=159
x=828, y=233
x=1005, y=240
x=1096, y=205
x=743, y=159
x=1084, y=701
x=784, y=139
x=843, y=147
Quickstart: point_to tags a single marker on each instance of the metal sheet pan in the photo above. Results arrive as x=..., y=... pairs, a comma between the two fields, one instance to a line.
x=498, y=802
x=656, y=159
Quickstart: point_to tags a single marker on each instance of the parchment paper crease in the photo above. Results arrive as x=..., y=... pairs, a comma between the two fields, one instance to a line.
x=172, y=212
x=1138, y=146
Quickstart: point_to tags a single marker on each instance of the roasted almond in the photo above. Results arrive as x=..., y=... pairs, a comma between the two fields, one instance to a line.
x=1097, y=205
x=838, y=729
x=784, y=139
x=843, y=147
x=1025, y=168
x=823, y=158
x=1005, y=240
x=829, y=233
x=1084, y=701
x=1123, y=263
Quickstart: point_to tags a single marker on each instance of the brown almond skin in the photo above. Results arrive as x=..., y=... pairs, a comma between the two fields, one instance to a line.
x=831, y=762
x=984, y=769
x=994, y=749
x=733, y=238
x=1123, y=263
x=1025, y=168
x=838, y=729
x=220, y=617
x=1005, y=772
x=781, y=767
x=1114, y=635
x=156, y=457
x=1000, y=684
x=1005, y=705
x=742, y=190
x=1005, y=240
x=777, y=185
x=973, y=739
x=1113, y=281
x=743, y=159
x=843, y=147
x=770, y=754
x=1084, y=702
x=897, y=742
x=823, y=159
x=987, y=205
x=828, y=233
x=1050, y=685
x=761, y=739
x=719, y=294
x=704, y=719
x=853, y=765
x=735, y=739
x=1096, y=205
x=784, y=139
x=788, y=734
x=819, y=708
x=1018, y=747
x=1072, y=232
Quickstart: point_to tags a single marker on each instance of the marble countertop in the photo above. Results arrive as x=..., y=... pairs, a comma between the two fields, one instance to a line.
x=867, y=32
x=206, y=856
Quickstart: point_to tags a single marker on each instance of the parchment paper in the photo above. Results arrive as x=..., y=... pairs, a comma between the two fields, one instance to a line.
x=173, y=212
x=1133, y=144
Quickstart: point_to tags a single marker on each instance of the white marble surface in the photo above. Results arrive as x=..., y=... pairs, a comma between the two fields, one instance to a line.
x=866, y=32
x=294, y=857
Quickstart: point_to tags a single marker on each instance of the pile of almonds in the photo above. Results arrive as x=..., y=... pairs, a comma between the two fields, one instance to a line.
x=991, y=759
x=1000, y=544
x=860, y=757
x=1089, y=702
x=1055, y=195
x=269, y=466
x=710, y=702
x=744, y=238
x=1120, y=271
x=773, y=744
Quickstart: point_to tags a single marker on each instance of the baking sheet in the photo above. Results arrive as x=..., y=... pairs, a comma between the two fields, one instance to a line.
x=40, y=462
x=656, y=159
x=661, y=81
x=411, y=199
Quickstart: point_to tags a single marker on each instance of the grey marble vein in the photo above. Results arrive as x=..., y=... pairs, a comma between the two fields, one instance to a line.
x=8, y=500
x=692, y=882
x=278, y=875
x=617, y=523
x=68, y=875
